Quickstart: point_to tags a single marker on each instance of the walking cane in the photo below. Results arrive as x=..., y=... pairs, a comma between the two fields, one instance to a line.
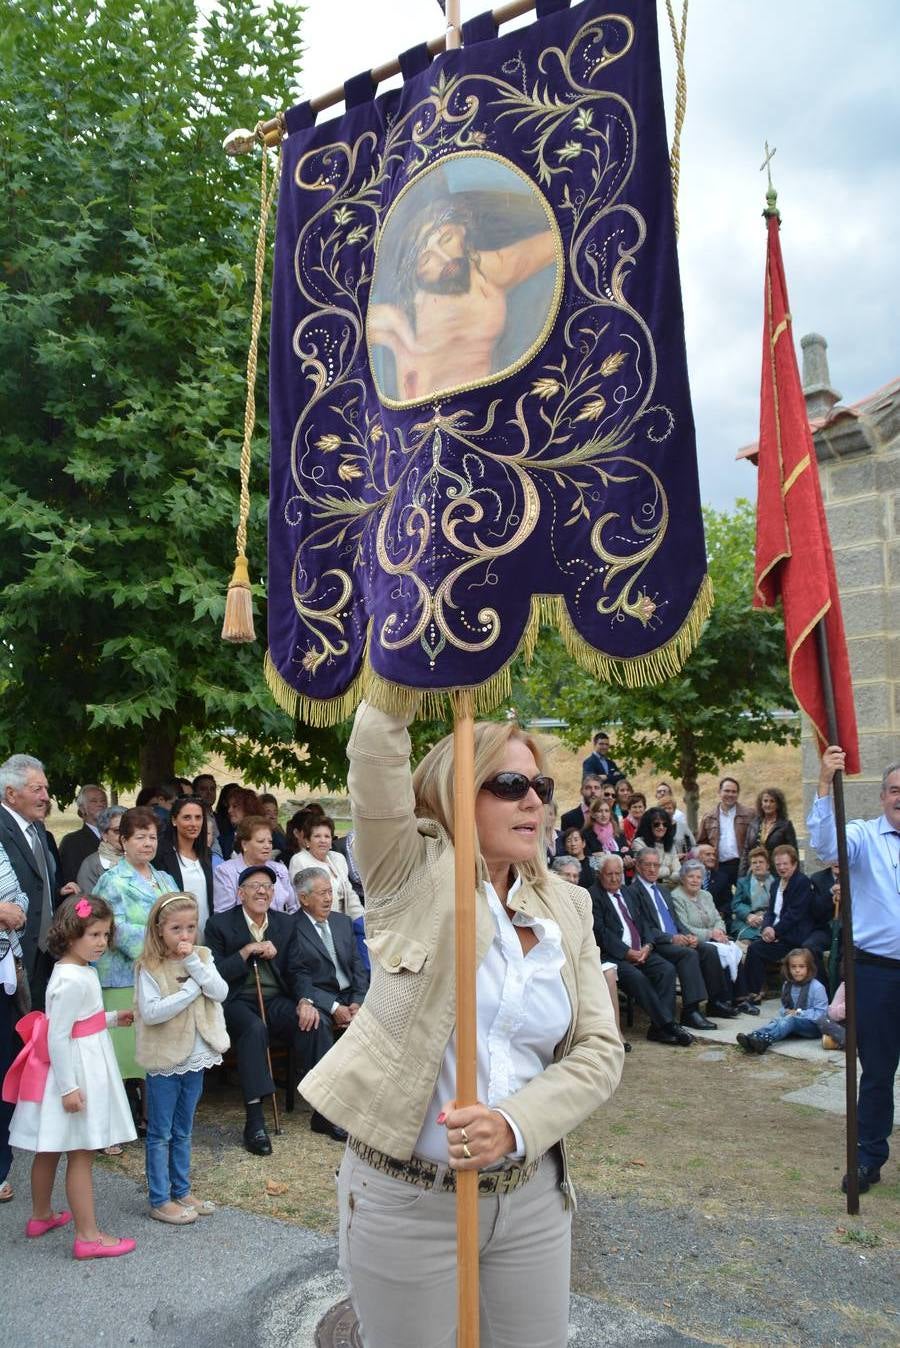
x=262, y=1011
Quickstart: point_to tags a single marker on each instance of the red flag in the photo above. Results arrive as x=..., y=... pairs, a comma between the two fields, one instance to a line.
x=793, y=549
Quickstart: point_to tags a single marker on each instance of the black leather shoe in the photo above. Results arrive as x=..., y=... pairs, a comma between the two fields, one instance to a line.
x=669, y=1034
x=698, y=1022
x=661, y=1034
x=750, y=1044
x=866, y=1176
x=319, y=1124
x=722, y=1010
x=258, y=1142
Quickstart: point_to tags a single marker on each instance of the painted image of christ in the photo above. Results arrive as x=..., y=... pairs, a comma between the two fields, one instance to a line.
x=467, y=280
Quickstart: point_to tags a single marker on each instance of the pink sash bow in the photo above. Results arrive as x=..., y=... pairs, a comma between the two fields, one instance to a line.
x=27, y=1077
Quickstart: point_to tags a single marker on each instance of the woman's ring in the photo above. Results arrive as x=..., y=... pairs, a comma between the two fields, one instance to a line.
x=466, y=1152
x=463, y=1136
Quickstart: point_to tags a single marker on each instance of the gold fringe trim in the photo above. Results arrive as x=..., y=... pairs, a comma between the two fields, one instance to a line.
x=436, y=703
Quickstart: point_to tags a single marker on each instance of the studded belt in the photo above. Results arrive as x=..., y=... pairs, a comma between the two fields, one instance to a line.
x=428, y=1175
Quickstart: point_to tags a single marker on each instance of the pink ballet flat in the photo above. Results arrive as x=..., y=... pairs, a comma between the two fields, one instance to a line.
x=95, y=1249
x=39, y=1226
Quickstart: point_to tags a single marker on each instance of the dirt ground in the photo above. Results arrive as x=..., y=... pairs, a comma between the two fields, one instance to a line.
x=738, y=1146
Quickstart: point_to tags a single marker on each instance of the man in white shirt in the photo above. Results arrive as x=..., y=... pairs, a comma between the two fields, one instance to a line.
x=725, y=829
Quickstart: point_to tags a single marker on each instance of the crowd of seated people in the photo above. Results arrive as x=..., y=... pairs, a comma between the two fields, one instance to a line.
x=712, y=917
x=290, y=933
x=689, y=930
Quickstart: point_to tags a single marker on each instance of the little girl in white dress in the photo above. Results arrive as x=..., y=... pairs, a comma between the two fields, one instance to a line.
x=66, y=1084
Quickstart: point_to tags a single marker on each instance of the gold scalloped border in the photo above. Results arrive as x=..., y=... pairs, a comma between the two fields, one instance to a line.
x=434, y=703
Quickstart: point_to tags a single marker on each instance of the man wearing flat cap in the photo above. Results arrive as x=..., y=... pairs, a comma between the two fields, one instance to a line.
x=251, y=939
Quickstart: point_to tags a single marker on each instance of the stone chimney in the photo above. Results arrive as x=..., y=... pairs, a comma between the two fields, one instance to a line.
x=820, y=396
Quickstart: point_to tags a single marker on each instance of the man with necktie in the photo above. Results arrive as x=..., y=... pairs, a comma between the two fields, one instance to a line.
x=696, y=962
x=24, y=799
x=623, y=935
x=873, y=852
x=330, y=953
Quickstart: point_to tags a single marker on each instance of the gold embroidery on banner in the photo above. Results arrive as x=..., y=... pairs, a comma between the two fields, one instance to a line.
x=801, y=467
x=436, y=505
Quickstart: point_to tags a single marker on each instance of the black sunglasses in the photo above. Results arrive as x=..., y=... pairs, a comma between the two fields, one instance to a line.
x=515, y=786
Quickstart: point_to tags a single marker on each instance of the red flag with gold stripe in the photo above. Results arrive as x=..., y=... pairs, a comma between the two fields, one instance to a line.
x=793, y=548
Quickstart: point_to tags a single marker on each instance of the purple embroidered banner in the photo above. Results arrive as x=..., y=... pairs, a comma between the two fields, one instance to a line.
x=479, y=397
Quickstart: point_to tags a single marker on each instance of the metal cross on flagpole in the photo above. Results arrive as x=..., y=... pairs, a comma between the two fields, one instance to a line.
x=767, y=162
x=771, y=194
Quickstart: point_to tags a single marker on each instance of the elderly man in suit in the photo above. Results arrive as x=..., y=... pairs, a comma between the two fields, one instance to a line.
x=250, y=940
x=624, y=935
x=78, y=846
x=696, y=962
x=24, y=800
x=330, y=952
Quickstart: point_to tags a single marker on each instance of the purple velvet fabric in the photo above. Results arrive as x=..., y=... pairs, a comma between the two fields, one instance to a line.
x=515, y=419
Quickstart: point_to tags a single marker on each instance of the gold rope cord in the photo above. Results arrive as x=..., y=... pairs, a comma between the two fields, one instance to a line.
x=678, y=41
x=238, y=623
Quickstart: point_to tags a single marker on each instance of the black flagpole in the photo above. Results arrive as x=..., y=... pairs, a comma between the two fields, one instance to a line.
x=840, y=819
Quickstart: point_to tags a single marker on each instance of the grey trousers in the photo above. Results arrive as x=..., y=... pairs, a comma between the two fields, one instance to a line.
x=398, y=1257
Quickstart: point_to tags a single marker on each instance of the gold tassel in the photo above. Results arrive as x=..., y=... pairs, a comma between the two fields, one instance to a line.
x=238, y=624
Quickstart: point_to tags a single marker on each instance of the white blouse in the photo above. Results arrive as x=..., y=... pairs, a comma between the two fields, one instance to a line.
x=194, y=882
x=346, y=899
x=523, y=1011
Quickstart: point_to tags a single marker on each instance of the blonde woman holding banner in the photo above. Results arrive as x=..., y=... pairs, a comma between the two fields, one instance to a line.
x=548, y=1050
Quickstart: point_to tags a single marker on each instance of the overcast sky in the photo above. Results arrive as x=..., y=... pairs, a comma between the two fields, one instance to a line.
x=818, y=80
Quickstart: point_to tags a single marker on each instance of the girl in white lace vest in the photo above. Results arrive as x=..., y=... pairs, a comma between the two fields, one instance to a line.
x=180, y=1031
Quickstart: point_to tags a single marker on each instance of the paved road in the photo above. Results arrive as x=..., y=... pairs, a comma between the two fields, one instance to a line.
x=235, y=1280
x=232, y=1280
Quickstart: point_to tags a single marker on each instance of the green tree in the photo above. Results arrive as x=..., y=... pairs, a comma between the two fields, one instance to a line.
x=126, y=258
x=726, y=695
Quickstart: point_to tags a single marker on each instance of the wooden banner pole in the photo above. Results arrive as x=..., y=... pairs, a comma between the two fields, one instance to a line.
x=840, y=822
x=466, y=1026
x=270, y=132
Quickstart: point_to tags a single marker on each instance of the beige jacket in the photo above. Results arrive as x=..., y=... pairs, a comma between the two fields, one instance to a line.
x=378, y=1080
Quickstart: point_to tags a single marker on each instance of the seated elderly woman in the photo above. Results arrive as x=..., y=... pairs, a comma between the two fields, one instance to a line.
x=107, y=855
x=253, y=847
x=751, y=898
x=318, y=850
x=696, y=910
x=548, y=1050
x=657, y=830
x=796, y=916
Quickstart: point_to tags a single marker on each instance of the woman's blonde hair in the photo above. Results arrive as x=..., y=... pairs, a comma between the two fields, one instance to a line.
x=154, y=952
x=433, y=780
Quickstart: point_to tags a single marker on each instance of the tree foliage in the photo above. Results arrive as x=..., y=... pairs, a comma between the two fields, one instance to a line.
x=727, y=694
x=126, y=257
